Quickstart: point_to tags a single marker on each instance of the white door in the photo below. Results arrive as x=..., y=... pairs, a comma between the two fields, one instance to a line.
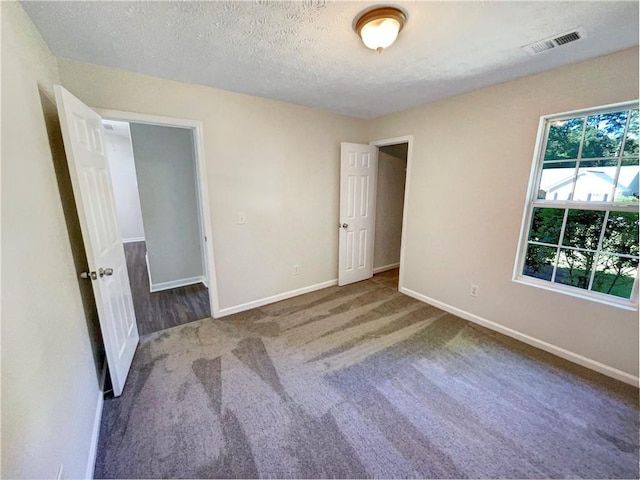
x=358, y=176
x=84, y=144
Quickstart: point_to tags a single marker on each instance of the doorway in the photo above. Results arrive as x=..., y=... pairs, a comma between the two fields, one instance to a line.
x=158, y=198
x=373, y=200
x=391, y=202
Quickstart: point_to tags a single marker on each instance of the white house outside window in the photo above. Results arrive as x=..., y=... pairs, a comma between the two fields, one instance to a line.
x=580, y=228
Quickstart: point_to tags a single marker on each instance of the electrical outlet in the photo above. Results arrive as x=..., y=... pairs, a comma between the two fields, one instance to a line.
x=59, y=474
x=296, y=270
x=475, y=291
x=242, y=219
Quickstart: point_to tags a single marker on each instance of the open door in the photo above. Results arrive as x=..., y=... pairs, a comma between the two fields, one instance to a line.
x=358, y=177
x=84, y=145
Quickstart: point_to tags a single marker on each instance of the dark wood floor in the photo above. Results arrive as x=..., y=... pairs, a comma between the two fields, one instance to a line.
x=160, y=310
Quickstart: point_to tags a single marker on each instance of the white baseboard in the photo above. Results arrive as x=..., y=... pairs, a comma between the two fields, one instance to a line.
x=133, y=239
x=384, y=268
x=547, y=347
x=95, y=434
x=182, y=282
x=275, y=298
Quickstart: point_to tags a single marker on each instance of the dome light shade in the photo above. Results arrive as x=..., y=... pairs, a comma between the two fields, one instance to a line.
x=379, y=28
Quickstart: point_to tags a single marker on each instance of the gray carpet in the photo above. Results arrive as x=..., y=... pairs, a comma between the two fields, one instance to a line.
x=361, y=382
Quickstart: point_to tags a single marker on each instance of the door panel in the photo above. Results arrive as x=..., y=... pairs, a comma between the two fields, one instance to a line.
x=88, y=168
x=358, y=176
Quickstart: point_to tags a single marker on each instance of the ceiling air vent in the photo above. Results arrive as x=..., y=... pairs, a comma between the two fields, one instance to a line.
x=568, y=38
x=553, y=42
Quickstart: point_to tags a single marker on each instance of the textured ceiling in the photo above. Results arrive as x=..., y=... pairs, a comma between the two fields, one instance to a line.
x=306, y=52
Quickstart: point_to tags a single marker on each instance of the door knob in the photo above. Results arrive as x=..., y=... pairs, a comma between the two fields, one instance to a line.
x=105, y=271
x=345, y=225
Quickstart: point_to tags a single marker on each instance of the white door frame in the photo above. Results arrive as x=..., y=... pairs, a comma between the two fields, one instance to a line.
x=408, y=139
x=204, y=211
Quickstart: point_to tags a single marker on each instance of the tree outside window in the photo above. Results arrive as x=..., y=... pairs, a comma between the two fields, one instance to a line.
x=582, y=230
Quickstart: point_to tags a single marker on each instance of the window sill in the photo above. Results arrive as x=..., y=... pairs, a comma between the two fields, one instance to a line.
x=621, y=303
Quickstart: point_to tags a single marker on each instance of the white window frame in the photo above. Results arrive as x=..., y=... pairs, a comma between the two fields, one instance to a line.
x=533, y=201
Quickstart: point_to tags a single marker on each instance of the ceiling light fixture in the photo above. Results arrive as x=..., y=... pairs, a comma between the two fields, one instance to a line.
x=380, y=27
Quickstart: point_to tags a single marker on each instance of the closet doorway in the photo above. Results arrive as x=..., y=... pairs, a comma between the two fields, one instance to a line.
x=392, y=197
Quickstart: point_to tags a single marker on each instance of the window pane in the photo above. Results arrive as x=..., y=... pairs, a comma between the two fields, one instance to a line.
x=594, y=182
x=621, y=234
x=603, y=136
x=546, y=224
x=539, y=262
x=574, y=268
x=627, y=187
x=557, y=181
x=583, y=229
x=615, y=275
x=564, y=139
x=631, y=145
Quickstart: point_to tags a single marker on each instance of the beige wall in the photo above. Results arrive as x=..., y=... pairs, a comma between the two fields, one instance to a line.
x=471, y=163
x=49, y=375
x=275, y=162
x=389, y=205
